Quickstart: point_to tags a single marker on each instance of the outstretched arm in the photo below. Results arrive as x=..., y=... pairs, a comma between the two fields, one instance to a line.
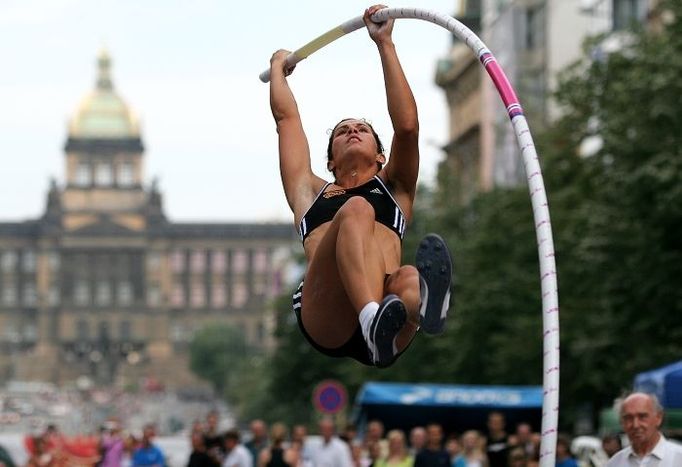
x=294, y=153
x=403, y=166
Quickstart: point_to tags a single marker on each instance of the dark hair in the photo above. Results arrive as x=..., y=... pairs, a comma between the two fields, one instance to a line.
x=380, y=146
x=232, y=434
x=611, y=437
x=564, y=441
x=517, y=454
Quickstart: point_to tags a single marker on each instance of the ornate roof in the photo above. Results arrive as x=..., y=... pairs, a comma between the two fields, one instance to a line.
x=103, y=114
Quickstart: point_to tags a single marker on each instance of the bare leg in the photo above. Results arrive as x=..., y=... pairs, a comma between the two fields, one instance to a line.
x=346, y=272
x=405, y=284
x=356, y=252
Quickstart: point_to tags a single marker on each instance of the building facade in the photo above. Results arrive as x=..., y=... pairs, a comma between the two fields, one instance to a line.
x=104, y=286
x=533, y=40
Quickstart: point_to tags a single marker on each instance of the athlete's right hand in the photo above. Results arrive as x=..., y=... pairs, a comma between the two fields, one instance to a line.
x=278, y=62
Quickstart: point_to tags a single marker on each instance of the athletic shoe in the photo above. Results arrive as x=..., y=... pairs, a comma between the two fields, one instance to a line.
x=387, y=322
x=435, y=277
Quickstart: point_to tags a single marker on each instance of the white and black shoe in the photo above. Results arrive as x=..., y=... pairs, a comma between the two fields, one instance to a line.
x=435, y=279
x=388, y=321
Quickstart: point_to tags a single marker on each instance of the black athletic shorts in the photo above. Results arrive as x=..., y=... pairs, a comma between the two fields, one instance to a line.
x=355, y=347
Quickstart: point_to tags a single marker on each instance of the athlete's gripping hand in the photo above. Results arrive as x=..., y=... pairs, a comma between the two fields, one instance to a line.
x=278, y=62
x=379, y=32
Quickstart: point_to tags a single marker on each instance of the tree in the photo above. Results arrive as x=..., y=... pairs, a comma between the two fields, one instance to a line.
x=217, y=354
x=620, y=215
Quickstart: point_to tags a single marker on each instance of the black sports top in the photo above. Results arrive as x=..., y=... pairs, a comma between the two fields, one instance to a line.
x=326, y=204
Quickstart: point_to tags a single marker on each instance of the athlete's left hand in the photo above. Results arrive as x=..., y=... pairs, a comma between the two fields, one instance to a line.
x=379, y=32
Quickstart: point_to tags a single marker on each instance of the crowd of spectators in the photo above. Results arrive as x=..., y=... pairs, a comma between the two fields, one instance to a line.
x=421, y=446
x=280, y=446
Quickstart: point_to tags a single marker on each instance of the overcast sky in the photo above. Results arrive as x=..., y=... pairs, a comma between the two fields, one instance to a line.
x=189, y=69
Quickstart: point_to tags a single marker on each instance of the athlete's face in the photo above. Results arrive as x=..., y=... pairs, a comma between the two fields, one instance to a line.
x=352, y=132
x=354, y=137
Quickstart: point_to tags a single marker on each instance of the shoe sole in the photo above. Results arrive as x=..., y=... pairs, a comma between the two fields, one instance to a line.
x=434, y=264
x=390, y=320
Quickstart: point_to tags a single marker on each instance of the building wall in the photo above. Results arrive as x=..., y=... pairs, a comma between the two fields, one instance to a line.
x=132, y=301
x=533, y=40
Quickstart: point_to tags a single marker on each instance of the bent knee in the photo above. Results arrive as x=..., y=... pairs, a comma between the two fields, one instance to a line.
x=404, y=278
x=357, y=207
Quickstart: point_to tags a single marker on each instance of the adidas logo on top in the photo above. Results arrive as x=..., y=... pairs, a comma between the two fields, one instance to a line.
x=376, y=190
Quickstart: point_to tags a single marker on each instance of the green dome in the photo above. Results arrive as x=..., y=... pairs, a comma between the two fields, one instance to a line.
x=103, y=113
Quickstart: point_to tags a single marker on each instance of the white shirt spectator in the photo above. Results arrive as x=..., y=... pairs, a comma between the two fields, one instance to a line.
x=239, y=456
x=335, y=453
x=665, y=454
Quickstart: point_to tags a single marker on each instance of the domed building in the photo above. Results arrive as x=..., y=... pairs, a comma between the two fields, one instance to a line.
x=105, y=287
x=103, y=113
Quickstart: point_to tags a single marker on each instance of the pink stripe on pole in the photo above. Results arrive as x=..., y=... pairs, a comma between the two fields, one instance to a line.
x=507, y=93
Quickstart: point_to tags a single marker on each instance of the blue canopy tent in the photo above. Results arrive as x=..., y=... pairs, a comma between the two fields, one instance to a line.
x=664, y=382
x=455, y=407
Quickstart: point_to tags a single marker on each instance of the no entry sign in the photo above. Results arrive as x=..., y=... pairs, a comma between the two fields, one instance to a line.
x=329, y=396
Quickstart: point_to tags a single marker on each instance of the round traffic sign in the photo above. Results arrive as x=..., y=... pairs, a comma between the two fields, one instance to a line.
x=329, y=396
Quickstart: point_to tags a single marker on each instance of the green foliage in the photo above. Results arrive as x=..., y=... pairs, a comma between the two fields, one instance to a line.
x=218, y=354
x=618, y=215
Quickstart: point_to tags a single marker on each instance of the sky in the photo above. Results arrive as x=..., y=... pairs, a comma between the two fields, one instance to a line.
x=189, y=70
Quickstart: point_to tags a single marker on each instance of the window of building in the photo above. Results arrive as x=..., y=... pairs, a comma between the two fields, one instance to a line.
x=218, y=262
x=240, y=293
x=9, y=294
x=198, y=261
x=123, y=263
x=472, y=7
x=276, y=283
x=260, y=260
x=100, y=265
x=535, y=27
x=103, y=174
x=499, y=6
x=103, y=331
x=178, y=261
x=82, y=330
x=103, y=293
x=259, y=285
x=53, y=296
x=125, y=176
x=81, y=293
x=53, y=261
x=178, y=295
x=218, y=295
x=9, y=261
x=626, y=13
x=29, y=261
x=153, y=296
x=30, y=294
x=83, y=176
x=30, y=333
x=240, y=261
x=125, y=293
x=197, y=295
x=153, y=261
x=126, y=331
x=178, y=333
x=11, y=334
